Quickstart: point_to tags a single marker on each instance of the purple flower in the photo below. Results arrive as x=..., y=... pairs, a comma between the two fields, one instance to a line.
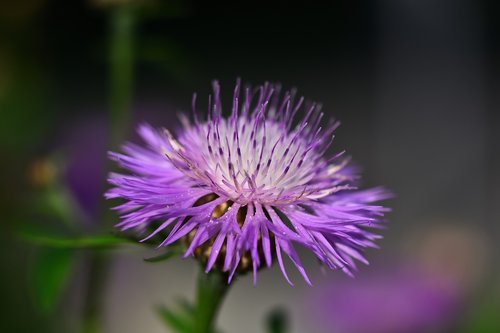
x=86, y=165
x=84, y=144
x=244, y=189
x=394, y=300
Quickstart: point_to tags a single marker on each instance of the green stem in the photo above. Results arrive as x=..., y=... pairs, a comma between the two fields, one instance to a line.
x=121, y=65
x=211, y=289
x=121, y=59
x=98, y=270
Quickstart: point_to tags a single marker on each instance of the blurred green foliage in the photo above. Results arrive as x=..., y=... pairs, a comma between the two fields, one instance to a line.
x=50, y=275
x=485, y=317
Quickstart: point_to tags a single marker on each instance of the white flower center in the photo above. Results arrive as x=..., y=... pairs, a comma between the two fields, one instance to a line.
x=248, y=159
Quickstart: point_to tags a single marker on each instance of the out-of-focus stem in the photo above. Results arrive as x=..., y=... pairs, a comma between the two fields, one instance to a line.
x=92, y=312
x=211, y=289
x=121, y=66
x=121, y=59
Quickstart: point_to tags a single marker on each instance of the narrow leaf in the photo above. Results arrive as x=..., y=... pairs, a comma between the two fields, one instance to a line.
x=186, y=306
x=51, y=271
x=176, y=322
x=71, y=242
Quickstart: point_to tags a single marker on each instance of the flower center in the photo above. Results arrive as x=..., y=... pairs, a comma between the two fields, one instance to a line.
x=247, y=160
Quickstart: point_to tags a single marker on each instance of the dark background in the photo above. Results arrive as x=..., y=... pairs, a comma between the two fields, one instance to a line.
x=414, y=83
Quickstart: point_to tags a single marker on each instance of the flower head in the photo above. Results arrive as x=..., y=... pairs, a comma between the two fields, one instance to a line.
x=241, y=190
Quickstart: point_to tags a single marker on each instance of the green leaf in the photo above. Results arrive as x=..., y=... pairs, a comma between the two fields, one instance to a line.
x=277, y=321
x=183, y=320
x=51, y=271
x=71, y=242
x=178, y=322
x=186, y=306
x=198, y=317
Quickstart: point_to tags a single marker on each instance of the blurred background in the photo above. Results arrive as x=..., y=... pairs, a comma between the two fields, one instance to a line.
x=414, y=83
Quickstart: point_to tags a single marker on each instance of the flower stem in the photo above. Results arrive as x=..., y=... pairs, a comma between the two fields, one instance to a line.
x=121, y=64
x=92, y=315
x=121, y=70
x=211, y=289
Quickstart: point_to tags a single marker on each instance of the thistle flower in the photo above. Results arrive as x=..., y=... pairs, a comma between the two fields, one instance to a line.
x=242, y=190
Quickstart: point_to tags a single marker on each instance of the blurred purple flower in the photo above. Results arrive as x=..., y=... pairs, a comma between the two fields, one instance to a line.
x=244, y=188
x=85, y=143
x=85, y=170
x=404, y=300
